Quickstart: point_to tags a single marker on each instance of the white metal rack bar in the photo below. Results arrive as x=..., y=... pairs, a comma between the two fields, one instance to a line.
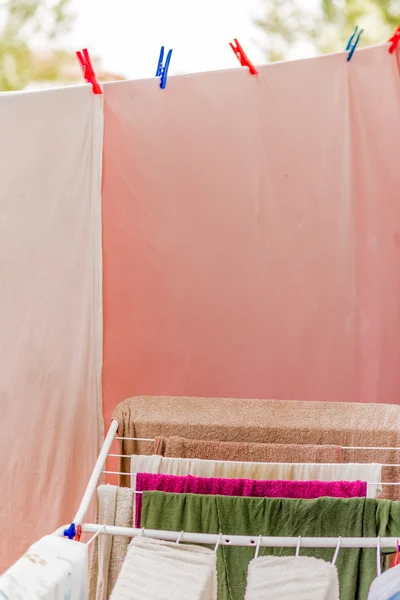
x=242, y=540
x=95, y=476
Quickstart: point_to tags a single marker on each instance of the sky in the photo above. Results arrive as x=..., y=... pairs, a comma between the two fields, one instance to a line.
x=127, y=34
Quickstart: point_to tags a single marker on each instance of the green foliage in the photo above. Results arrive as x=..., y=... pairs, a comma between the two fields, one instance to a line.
x=327, y=26
x=21, y=22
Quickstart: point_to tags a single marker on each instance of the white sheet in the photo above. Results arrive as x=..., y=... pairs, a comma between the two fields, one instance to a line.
x=50, y=308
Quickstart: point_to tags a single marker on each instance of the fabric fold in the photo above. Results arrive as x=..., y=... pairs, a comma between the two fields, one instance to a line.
x=284, y=578
x=158, y=570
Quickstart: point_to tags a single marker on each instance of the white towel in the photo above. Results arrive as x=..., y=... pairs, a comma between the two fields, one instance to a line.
x=371, y=473
x=286, y=578
x=156, y=570
x=54, y=568
x=386, y=586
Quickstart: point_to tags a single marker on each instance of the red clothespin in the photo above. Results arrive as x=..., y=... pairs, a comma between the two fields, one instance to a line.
x=397, y=557
x=78, y=533
x=395, y=39
x=242, y=58
x=88, y=71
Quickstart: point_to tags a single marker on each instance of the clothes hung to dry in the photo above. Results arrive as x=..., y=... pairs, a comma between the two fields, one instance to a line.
x=283, y=578
x=244, y=487
x=322, y=517
x=157, y=570
x=369, y=473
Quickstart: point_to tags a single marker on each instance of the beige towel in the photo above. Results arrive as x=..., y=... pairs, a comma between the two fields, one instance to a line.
x=101, y=550
x=370, y=473
x=157, y=570
x=115, y=506
x=286, y=578
x=179, y=447
x=265, y=421
x=123, y=518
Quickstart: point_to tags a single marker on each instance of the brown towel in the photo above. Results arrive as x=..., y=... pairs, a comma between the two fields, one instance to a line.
x=178, y=447
x=256, y=421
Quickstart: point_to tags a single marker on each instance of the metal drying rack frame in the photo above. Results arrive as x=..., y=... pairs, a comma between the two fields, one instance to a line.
x=257, y=541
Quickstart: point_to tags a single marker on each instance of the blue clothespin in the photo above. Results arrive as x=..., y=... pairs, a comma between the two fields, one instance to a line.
x=353, y=42
x=162, y=70
x=70, y=533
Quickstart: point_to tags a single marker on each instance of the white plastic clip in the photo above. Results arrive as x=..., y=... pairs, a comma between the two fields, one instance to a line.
x=334, y=559
x=180, y=536
x=218, y=543
x=258, y=546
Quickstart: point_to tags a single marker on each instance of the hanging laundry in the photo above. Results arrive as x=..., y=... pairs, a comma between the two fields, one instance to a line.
x=386, y=586
x=115, y=506
x=279, y=277
x=179, y=447
x=106, y=499
x=369, y=473
x=256, y=421
x=322, y=517
x=245, y=487
x=50, y=308
x=54, y=568
x=157, y=570
x=302, y=578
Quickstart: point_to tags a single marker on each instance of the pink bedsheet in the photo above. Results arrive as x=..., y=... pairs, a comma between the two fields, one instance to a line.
x=252, y=233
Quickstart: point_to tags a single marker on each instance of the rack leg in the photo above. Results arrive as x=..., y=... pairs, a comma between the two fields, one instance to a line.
x=94, y=478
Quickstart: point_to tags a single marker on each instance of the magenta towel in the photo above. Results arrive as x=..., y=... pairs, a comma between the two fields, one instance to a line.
x=188, y=484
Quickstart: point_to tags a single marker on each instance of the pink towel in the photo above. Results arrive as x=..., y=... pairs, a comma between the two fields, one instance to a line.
x=189, y=484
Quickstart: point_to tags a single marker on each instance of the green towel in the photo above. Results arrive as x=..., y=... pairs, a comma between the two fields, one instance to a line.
x=322, y=517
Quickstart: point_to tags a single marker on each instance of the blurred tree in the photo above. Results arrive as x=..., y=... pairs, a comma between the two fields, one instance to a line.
x=327, y=25
x=21, y=21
